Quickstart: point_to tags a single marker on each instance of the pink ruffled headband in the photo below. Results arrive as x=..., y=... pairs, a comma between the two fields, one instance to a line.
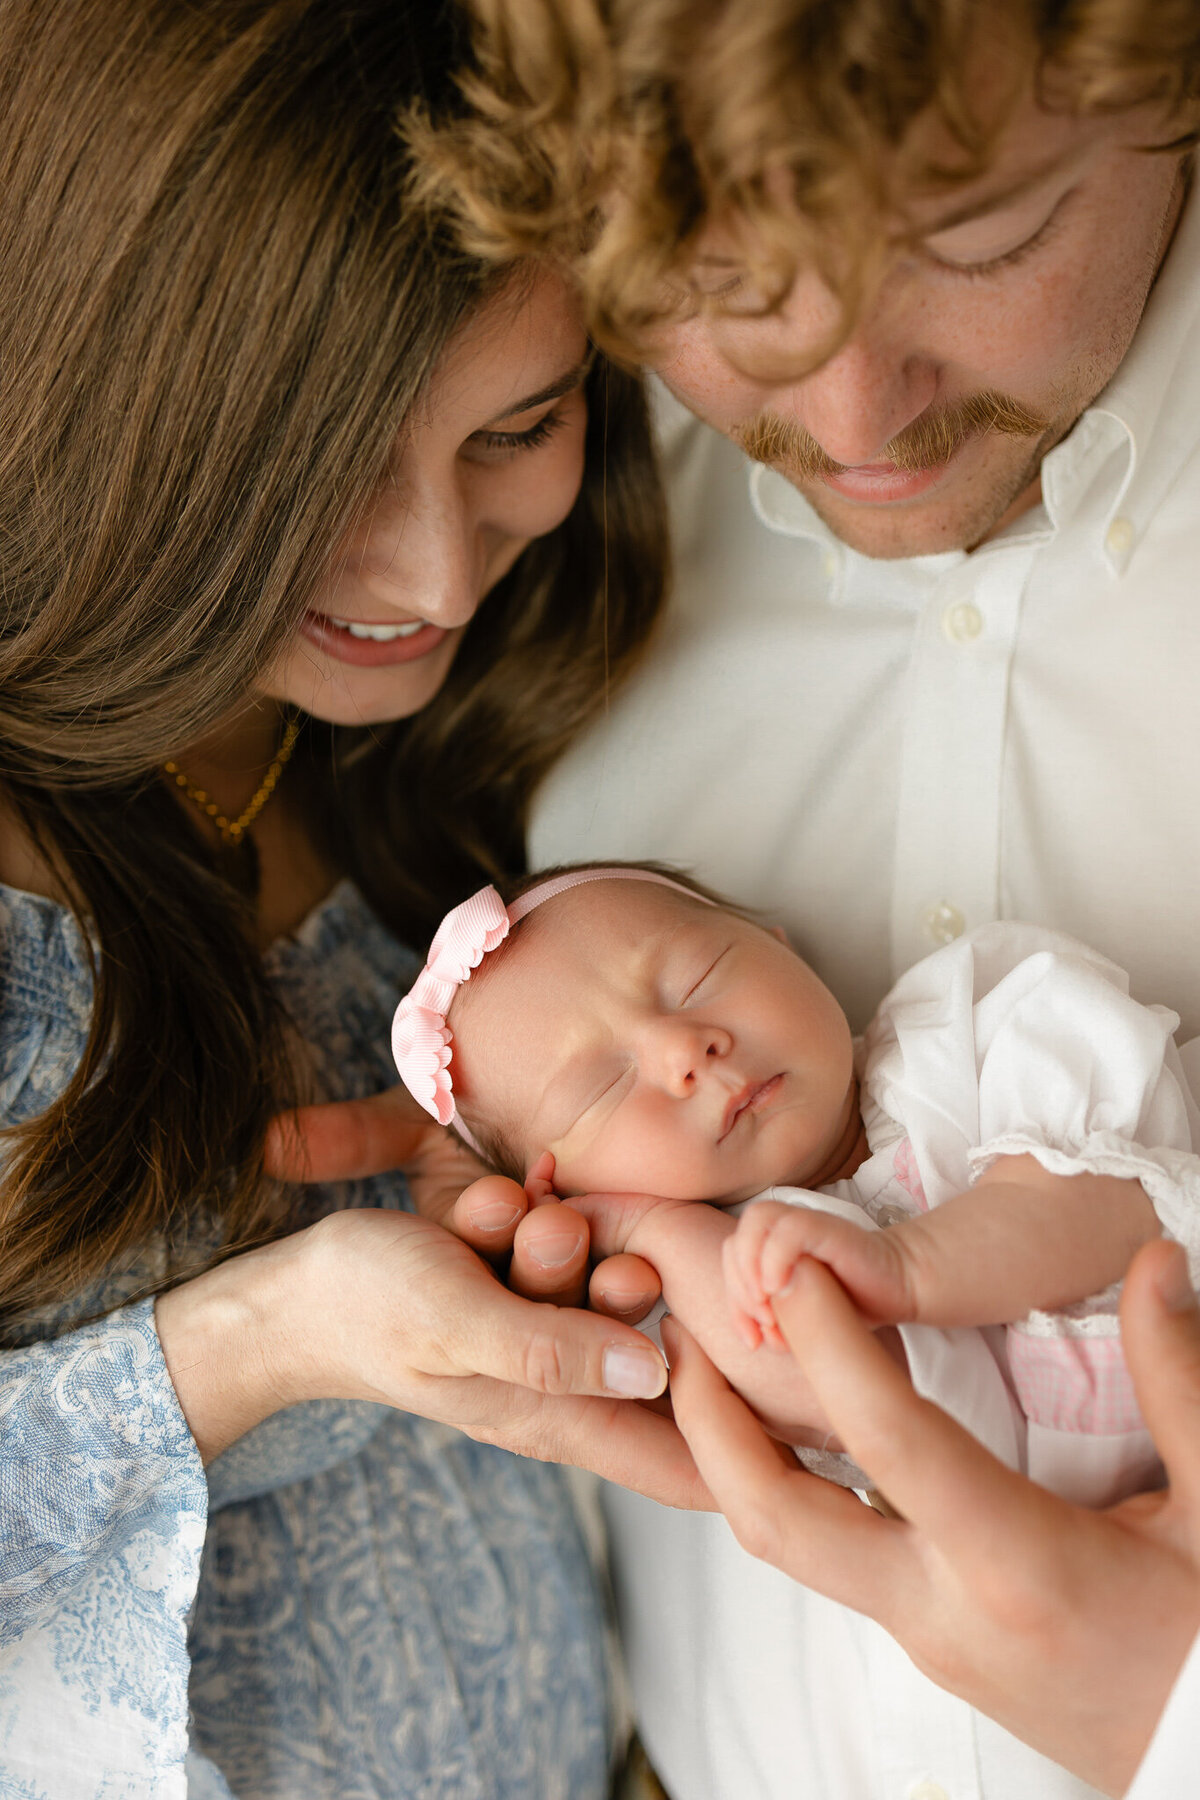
x=421, y=1039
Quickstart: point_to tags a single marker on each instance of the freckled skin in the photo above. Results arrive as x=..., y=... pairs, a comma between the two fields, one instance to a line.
x=1049, y=330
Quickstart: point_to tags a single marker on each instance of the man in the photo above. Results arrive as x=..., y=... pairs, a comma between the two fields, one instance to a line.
x=933, y=656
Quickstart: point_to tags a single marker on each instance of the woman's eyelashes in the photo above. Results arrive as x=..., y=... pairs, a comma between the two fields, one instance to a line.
x=511, y=443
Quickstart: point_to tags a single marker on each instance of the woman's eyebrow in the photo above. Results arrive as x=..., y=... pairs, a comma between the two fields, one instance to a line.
x=554, y=390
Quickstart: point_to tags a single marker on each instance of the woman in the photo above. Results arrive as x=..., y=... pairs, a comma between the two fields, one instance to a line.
x=268, y=442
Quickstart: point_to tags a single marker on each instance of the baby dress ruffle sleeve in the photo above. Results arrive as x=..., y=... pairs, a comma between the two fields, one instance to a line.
x=102, y=1494
x=1018, y=1041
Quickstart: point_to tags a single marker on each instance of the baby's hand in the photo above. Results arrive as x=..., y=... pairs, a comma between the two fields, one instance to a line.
x=761, y=1256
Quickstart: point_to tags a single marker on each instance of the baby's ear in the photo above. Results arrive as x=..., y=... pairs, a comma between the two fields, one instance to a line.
x=777, y=931
x=539, y=1183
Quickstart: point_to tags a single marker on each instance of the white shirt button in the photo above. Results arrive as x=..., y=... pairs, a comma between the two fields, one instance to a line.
x=1119, y=536
x=962, y=622
x=944, y=923
x=925, y=1790
x=829, y=562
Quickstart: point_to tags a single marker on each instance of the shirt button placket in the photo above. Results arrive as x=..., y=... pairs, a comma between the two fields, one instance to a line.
x=946, y=875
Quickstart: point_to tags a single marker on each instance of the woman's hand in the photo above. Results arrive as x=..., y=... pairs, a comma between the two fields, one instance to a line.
x=546, y=1249
x=374, y=1305
x=1066, y=1626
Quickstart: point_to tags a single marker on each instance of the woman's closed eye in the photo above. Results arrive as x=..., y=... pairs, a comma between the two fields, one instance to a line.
x=511, y=443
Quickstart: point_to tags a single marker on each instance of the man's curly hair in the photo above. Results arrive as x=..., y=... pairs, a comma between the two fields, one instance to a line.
x=607, y=133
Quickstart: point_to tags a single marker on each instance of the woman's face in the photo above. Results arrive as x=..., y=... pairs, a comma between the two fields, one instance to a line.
x=492, y=458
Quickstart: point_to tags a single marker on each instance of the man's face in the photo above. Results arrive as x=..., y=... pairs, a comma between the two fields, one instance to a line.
x=927, y=426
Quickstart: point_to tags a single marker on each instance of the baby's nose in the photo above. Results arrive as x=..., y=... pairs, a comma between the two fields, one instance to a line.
x=687, y=1050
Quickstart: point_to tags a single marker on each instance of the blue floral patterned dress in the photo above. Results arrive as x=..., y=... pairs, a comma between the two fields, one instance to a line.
x=356, y=1603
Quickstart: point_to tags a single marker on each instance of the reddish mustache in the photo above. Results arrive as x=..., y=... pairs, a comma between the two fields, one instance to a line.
x=927, y=443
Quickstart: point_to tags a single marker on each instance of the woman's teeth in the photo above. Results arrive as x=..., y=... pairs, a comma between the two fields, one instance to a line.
x=379, y=634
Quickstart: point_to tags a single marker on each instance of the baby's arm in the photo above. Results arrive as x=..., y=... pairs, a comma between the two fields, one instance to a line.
x=1019, y=1240
x=684, y=1241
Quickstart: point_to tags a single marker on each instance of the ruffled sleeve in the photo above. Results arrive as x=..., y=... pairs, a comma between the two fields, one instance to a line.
x=1015, y=1040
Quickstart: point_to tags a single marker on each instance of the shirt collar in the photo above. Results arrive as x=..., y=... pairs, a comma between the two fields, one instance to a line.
x=1152, y=403
x=1136, y=435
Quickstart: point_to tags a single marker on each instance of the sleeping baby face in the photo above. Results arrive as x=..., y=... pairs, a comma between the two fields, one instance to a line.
x=655, y=1044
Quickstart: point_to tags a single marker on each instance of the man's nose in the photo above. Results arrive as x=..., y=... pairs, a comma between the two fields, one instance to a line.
x=876, y=380
x=861, y=399
x=421, y=555
x=680, y=1051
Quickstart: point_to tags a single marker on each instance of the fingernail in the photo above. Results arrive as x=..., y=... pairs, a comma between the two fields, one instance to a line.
x=553, y=1252
x=622, y=1305
x=494, y=1215
x=1175, y=1285
x=635, y=1374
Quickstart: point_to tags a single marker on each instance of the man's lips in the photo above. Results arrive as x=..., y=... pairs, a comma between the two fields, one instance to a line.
x=882, y=483
x=751, y=1098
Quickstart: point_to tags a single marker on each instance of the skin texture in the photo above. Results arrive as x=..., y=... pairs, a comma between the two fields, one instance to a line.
x=985, y=1577
x=1036, y=298
x=678, y=1049
x=1017, y=1241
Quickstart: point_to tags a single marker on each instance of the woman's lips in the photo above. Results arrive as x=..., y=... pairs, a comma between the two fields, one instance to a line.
x=337, y=641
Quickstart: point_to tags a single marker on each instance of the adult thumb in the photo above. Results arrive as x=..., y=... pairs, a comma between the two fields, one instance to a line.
x=345, y=1139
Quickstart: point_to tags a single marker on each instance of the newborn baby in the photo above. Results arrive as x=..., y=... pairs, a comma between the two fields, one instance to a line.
x=1009, y=1130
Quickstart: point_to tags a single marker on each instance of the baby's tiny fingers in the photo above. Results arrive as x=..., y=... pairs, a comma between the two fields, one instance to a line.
x=747, y=1327
x=782, y=1250
x=739, y=1266
x=539, y=1183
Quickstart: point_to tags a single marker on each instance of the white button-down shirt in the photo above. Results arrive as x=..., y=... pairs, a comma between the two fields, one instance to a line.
x=882, y=755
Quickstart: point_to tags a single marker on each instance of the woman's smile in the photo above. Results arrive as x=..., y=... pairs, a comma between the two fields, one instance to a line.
x=370, y=644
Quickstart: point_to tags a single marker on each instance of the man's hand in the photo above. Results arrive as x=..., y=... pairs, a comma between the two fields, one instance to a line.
x=1066, y=1626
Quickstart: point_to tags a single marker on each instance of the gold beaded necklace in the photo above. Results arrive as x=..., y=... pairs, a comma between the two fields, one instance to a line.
x=233, y=831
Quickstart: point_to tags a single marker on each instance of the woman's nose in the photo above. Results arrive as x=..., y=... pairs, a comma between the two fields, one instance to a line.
x=420, y=554
x=682, y=1049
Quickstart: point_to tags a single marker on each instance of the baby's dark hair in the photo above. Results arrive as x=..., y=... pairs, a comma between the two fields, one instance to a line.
x=501, y=1156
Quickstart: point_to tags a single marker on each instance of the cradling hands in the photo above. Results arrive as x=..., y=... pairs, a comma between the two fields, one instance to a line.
x=1065, y=1625
x=541, y=1246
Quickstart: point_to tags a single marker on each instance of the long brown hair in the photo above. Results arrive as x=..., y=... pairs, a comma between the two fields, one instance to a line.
x=219, y=302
